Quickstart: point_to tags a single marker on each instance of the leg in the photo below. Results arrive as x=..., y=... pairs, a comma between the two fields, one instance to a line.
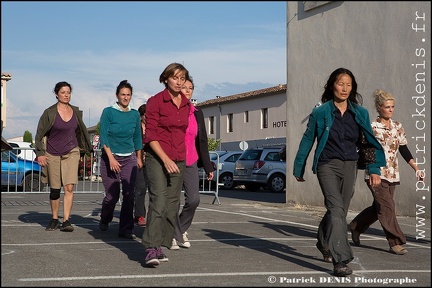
x=156, y=215
x=128, y=175
x=363, y=221
x=54, y=178
x=55, y=205
x=173, y=199
x=140, y=191
x=337, y=179
x=192, y=199
x=111, y=182
x=386, y=212
x=69, y=174
x=67, y=200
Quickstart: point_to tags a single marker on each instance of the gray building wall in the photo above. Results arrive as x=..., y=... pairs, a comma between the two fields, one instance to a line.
x=386, y=45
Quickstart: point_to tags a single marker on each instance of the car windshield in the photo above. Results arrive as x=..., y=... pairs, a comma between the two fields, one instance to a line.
x=213, y=156
x=251, y=155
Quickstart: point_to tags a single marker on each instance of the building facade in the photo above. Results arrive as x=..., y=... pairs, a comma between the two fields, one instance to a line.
x=386, y=44
x=247, y=120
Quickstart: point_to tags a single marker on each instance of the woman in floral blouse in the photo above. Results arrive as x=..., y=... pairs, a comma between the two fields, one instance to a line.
x=391, y=135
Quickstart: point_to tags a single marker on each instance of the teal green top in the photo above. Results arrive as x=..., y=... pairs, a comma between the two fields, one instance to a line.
x=120, y=130
x=320, y=121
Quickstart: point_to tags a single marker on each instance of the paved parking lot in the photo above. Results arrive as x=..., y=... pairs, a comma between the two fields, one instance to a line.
x=251, y=239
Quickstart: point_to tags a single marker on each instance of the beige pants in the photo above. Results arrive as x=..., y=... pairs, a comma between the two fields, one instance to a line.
x=63, y=170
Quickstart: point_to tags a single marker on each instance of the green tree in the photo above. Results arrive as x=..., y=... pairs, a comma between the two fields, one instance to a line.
x=97, y=129
x=213, y=144
x=27, y=137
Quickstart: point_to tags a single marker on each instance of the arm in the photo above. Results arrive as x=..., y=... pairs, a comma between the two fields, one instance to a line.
x=304, y=149
x=202, y=145
x=406, y=154
x=170, y=165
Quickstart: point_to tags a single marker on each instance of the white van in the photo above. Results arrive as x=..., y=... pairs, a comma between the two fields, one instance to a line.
x=24, y=150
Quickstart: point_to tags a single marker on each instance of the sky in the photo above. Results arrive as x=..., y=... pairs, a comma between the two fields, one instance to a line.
x=228, y=47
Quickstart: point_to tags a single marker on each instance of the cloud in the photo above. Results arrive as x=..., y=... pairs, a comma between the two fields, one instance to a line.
x=95, y=76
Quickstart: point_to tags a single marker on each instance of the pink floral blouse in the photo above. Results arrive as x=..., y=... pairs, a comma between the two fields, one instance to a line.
x=390, y=139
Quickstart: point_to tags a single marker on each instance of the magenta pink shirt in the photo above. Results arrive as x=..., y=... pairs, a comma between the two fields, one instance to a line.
x=167, y=124
x=191, y=134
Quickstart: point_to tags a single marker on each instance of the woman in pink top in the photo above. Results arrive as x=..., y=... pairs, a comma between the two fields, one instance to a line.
x=197, y=155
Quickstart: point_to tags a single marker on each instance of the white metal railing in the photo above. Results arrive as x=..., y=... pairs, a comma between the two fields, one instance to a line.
x=13, y=180
x=210, y=187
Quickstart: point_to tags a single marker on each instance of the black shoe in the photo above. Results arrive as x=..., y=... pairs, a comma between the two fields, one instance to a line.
x=341, y=270
x=103, y=225
x=129, y=236
x=161, y=256
x=326, y=254
x=355, y=237
x=66, y=226
x=53, y=225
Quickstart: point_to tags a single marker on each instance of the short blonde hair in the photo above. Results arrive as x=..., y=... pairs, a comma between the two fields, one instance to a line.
x=380, y=96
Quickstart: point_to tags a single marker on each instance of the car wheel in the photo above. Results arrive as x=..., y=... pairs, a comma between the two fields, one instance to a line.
x=227, y=180
x=276, y=183
x=253, y=187
x=32, y=182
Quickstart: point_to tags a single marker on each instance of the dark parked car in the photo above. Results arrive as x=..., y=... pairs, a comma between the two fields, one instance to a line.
x=261, y=167
x=19, y=173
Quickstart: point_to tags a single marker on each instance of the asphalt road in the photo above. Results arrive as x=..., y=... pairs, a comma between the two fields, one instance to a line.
x=251, y=239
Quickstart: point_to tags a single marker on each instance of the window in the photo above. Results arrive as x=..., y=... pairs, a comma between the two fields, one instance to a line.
x=211, y=125
x=230, y=122
x=246, y=116
x=264, y=118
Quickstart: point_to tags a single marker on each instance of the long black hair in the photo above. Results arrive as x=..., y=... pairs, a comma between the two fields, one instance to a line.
x=328, y=94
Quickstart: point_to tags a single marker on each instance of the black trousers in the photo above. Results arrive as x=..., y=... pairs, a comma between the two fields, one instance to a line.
x=337, y=181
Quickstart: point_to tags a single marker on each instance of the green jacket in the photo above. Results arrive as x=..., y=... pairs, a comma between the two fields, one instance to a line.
x=46, y=121
x=320, y=121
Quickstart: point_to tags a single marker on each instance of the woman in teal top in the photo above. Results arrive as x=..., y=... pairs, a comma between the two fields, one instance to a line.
x=121, y=142
x=337, y=125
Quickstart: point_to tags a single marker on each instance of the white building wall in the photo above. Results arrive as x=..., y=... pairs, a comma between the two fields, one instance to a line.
x=386, y=44
x=252, y=131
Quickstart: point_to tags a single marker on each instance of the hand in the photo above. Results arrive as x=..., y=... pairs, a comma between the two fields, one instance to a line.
x=171, y=167
x=420, y=175
x=374, y=180
x=115, y=165
x=42, y=161
x=210, y=176
x=300, y=179
x=140, y=164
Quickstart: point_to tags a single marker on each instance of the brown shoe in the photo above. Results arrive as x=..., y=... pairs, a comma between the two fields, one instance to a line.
x=342, y=270
x=398, y=250
x=355, y=236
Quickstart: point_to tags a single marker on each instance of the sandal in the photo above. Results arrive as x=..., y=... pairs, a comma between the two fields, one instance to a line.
x=398, y=250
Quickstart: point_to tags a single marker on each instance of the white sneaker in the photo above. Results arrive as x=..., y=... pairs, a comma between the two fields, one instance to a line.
x=186, y=243
x=174, y=245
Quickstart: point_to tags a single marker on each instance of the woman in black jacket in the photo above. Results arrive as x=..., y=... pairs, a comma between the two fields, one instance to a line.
x=197, y=155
